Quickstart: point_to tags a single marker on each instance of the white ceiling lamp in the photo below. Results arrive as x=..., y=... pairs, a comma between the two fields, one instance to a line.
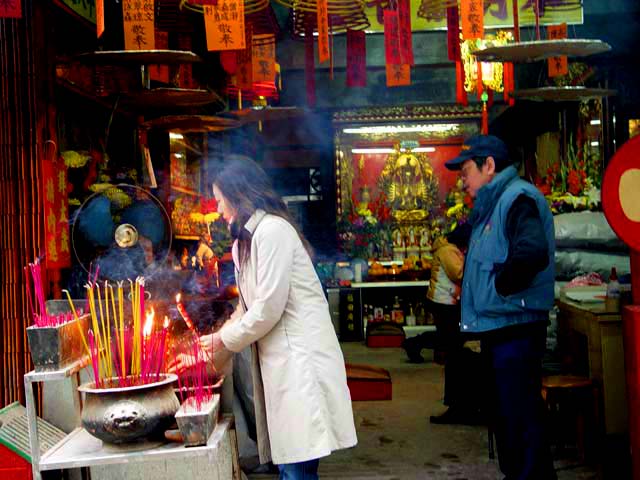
x=391, y=150
x=432, y=127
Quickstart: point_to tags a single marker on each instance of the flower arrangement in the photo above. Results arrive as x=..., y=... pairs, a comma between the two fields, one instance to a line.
x=457, y=207
x=217, y=230
x=364, y=228
x=573, y=183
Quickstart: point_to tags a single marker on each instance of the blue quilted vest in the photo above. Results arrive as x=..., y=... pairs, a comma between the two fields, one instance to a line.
x=483, y=309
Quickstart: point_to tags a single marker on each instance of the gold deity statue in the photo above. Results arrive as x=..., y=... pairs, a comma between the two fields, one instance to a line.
x=411, y=188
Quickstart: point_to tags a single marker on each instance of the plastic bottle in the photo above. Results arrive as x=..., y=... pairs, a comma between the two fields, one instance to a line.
x=613, y=291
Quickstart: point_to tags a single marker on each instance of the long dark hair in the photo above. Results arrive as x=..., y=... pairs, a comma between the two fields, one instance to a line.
x=247, y=188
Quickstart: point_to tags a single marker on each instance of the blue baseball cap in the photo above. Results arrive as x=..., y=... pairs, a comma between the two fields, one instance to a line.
x=481, y=146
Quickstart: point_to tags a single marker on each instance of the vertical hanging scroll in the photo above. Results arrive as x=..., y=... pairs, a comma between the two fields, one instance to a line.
x=398, y=74
x=138, y=19
x=264, y=58
x=56, y=216
x=404, y=24
x=557, y=66
x=309, y=67
x=245, y=65
x=356, y=58
x=224, y=25
x=11, y=9
x=472, y=15
x=323, y=31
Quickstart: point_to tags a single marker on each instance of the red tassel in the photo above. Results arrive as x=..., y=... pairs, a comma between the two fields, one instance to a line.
x=479, y=84
x=485, y=119
x=461, y=94
x=309, y=67
x=516, y=22
x=508, y=82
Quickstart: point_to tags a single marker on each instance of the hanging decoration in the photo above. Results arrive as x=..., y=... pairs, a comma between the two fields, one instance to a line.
x=244, y=73
x=224, y=25
x=404, y=24
x=323, y=30
x=99, y=18
x=263, y=53
x=56, y=215
x=557, y=66
x=472, y=16
x=343, y=15
x=356, y=58
x=398, y=73
x=489, y=73
x=11, y=9
x=309, y=68
x=138, y=20
x=160, y=73
x=453, y=51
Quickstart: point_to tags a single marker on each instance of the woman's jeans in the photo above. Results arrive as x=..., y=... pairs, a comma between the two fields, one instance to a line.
x=299, y=471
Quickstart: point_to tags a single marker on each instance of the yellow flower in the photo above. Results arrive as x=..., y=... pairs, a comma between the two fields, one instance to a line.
x=196, y=217
x=211, y=217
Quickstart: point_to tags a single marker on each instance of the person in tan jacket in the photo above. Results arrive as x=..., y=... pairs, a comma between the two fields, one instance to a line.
x=443, y=297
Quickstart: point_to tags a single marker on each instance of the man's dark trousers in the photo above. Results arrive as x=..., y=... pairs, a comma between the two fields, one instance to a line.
x=515, y=358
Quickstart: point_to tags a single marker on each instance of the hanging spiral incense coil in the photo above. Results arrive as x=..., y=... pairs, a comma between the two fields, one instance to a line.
x=343, y=15
x=250, y=6
x=258, y=15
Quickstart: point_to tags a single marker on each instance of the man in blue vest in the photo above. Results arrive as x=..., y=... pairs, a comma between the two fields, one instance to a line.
x=507, y=292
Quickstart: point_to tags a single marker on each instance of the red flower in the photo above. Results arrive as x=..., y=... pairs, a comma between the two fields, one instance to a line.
x=208, y=205
x=545, y=188
x=574, y=182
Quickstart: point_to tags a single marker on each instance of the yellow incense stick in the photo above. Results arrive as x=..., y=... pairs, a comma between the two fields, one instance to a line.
x=75, y=316
x=104, y=333
x=121, y=311
x=96, y=329
x=108, y=329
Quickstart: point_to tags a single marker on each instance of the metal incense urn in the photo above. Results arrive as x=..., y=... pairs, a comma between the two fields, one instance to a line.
x=129, y=414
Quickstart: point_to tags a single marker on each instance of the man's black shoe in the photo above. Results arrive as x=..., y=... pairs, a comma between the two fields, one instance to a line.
x=413, y=351
x=457, y=417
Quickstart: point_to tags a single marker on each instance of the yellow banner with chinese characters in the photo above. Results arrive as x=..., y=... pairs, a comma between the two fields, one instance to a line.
x=224, y=25
x=263, y=58
x=497, y=14
x=138, y=19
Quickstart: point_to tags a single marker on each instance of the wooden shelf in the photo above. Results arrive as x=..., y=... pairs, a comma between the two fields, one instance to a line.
x=186, y=237
x=171, y=98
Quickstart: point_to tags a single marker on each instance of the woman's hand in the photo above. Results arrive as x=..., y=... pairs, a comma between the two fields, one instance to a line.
x=181, y=362
x=211, y=343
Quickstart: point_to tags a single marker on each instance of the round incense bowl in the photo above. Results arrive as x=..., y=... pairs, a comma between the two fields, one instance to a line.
x=129, y=414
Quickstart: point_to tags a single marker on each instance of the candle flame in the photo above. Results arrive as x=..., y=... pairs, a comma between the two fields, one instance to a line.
x=178, y=297
x=166, y=322
x=148, y=324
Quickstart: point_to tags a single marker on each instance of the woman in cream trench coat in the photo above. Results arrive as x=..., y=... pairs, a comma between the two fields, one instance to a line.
x=300, y=388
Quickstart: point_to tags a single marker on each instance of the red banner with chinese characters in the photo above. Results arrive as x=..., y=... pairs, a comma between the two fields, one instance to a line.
x=244, y=72
x=472, y=15
x=11, y=9
x=224, y=25
x=557, y=66
x=453, y=33
x=356, y=58
x=323, y=31
x=56, y=215
x=309, y=67
x=138, y=19
x=404, y=34
x=398, y=75
x=391, y=38
x=185, y=77
x=99, y=18
x=264, y=58
x=160, y=73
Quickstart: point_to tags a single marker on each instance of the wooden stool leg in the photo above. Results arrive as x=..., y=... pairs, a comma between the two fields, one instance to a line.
x=235, y=456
